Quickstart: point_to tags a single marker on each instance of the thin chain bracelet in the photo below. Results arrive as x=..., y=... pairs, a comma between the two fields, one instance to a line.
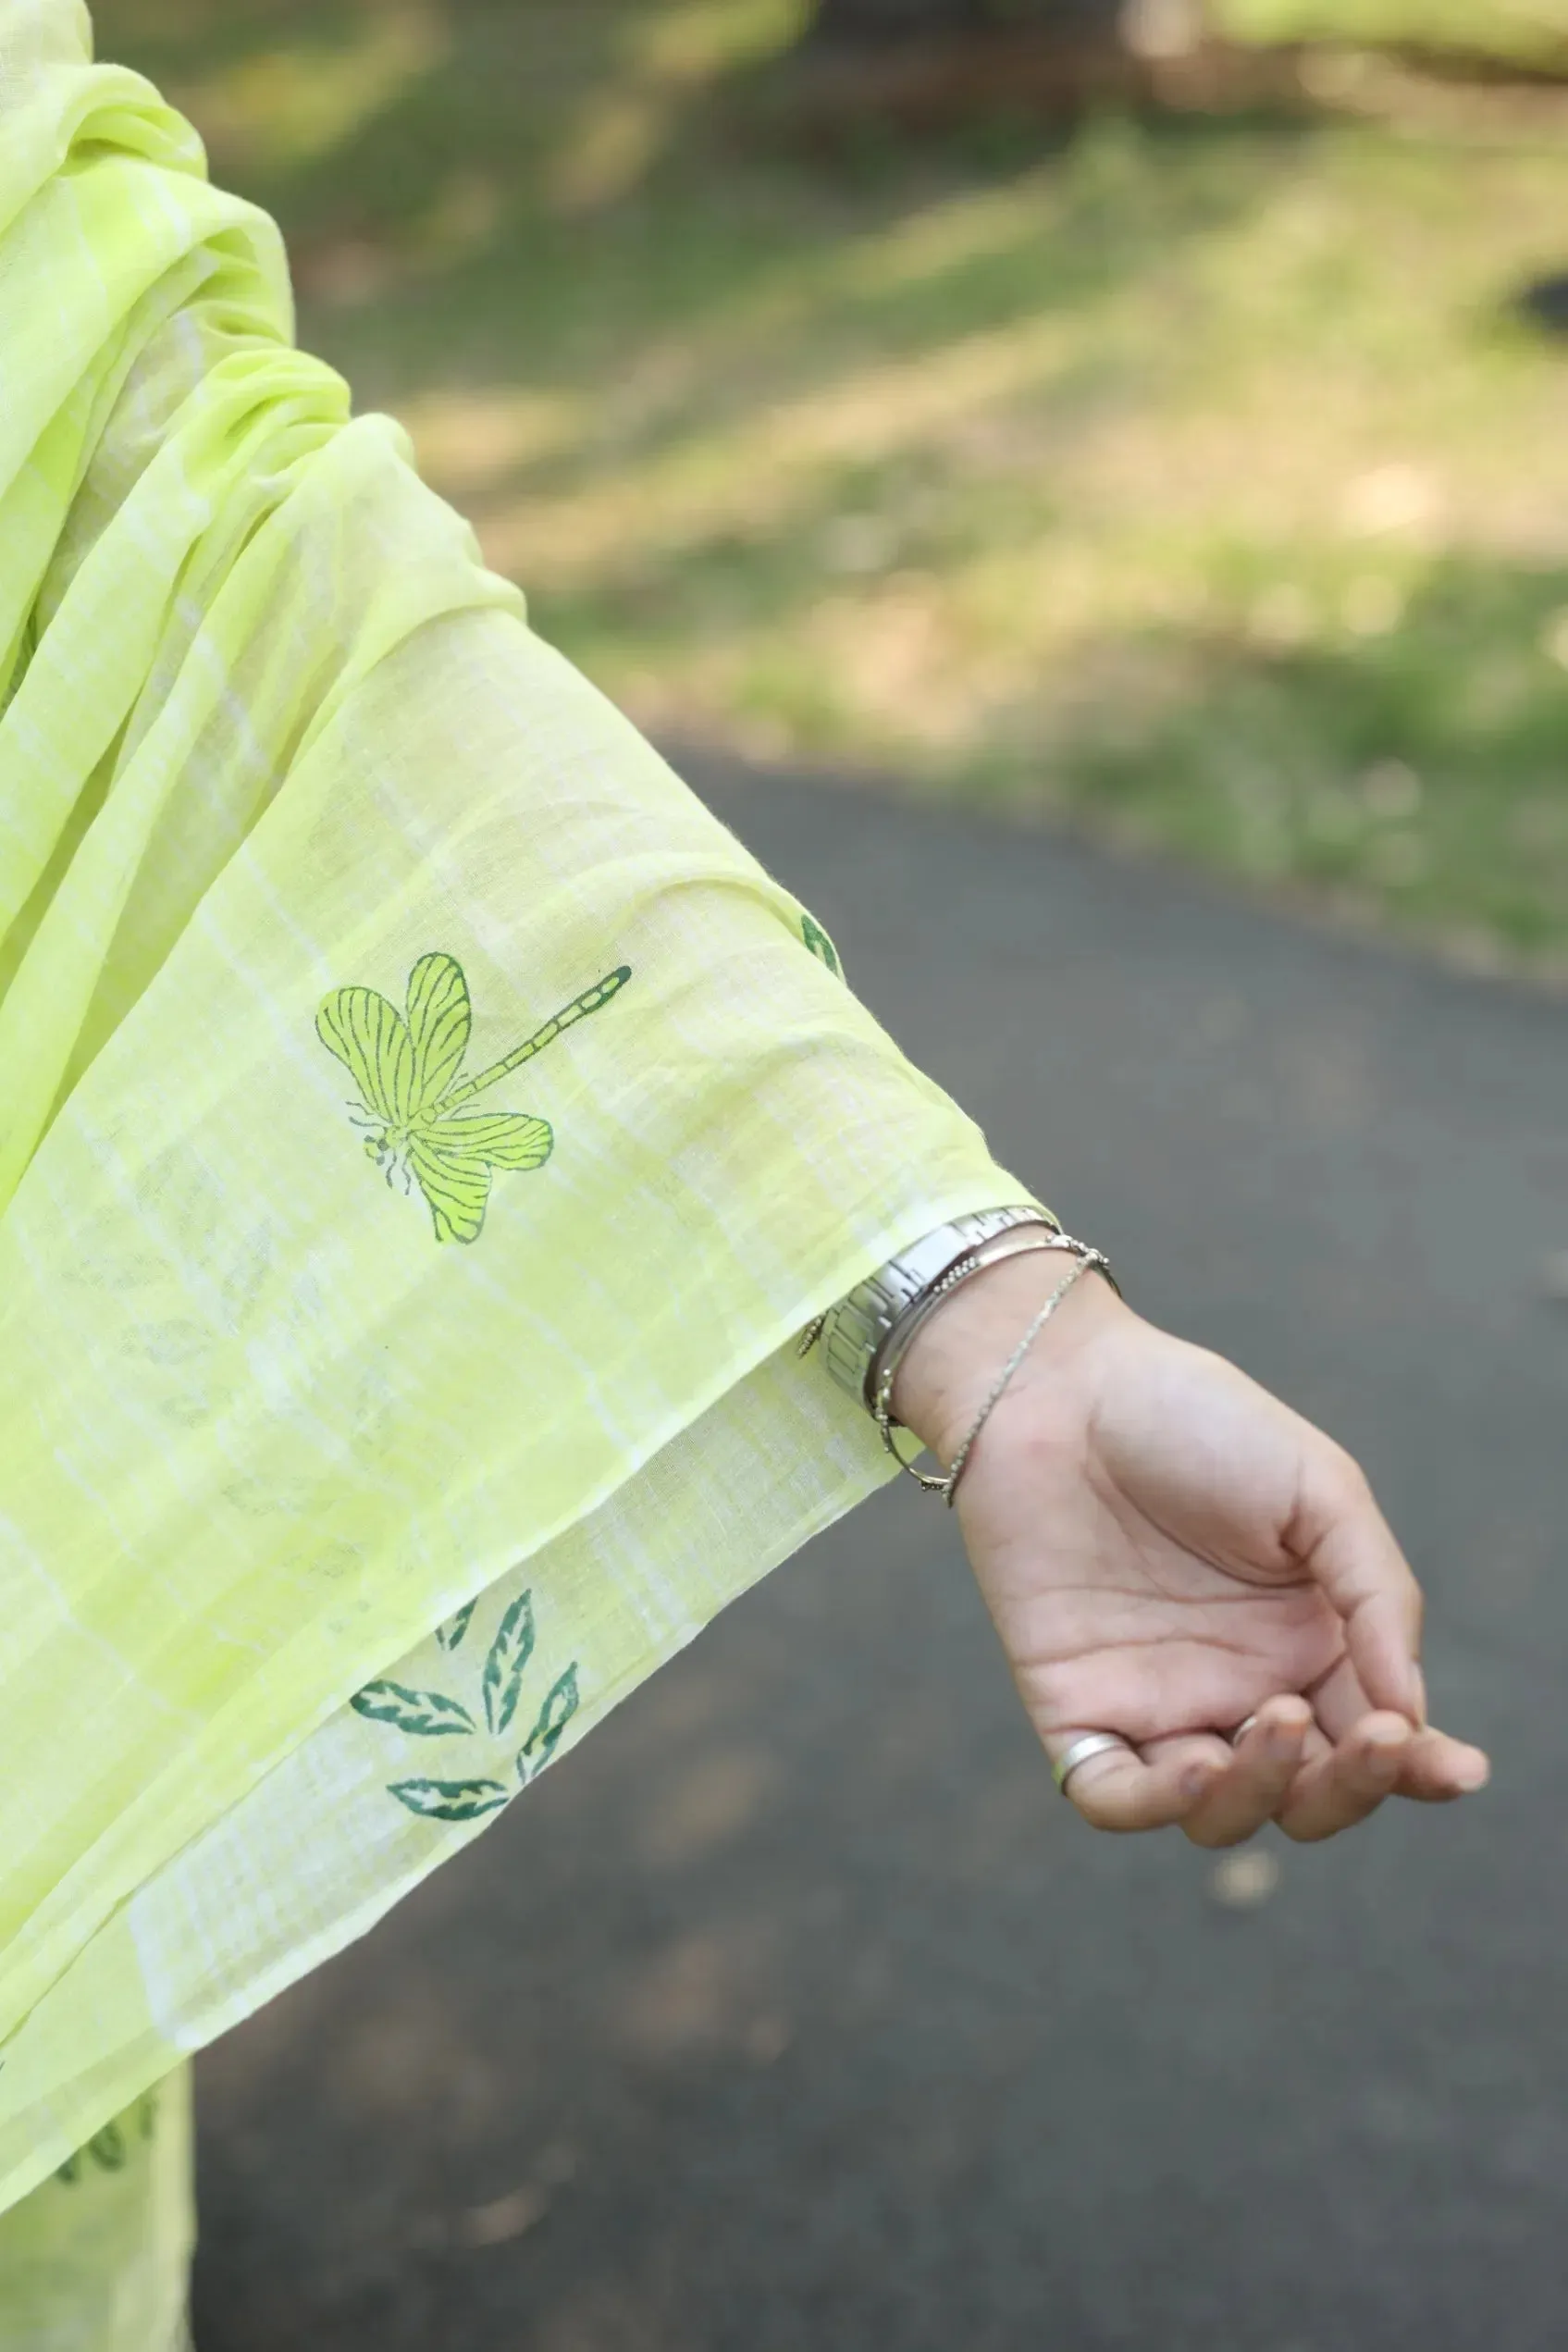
x=1088, y=1260
x=1023, y=1241
x=855, y=1328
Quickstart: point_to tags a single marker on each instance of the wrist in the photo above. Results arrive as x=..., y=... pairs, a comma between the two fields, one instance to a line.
x=878, y=1321
x=955, y=1359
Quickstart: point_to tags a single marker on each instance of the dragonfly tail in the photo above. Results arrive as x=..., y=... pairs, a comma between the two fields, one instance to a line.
x=592, y=1000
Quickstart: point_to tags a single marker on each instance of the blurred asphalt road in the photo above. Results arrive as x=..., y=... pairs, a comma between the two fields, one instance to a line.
x=796, y=2014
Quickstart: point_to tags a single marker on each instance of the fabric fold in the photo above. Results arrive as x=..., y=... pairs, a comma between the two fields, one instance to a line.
x=423, y=1131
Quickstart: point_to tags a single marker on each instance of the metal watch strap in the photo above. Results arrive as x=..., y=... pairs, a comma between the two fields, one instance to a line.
x=1017, y=1242
x=860, y=1326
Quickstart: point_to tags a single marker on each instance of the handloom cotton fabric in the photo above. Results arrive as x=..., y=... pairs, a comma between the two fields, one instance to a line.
x=424, y=1131
x=97, y=2260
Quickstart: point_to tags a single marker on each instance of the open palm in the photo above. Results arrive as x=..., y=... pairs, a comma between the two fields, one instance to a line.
x=1167, y=1550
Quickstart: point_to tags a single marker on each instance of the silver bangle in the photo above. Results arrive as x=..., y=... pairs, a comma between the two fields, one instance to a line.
x=1086, y=1260
x=1021, y=1242
x=855, y=1333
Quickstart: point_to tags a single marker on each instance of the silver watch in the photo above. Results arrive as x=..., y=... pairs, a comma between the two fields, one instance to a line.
x=857, y=1330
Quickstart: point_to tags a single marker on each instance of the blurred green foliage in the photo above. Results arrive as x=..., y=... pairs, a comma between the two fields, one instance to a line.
x=1521, y=30
x=1194, y=484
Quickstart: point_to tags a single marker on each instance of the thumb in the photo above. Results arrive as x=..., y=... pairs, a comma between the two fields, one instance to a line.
x=1341, y=1538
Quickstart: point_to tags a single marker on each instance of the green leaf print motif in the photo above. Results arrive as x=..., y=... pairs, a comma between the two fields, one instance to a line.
x=451, y=1633
x=554, y=1717
x=107, y=2148
x=413, y=1099
x=822, y=947
x=450, y=1800
x=418, y=1713
x=429, y=1714
x=507, y=1662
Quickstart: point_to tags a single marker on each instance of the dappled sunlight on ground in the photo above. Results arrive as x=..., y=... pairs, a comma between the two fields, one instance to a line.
x=273, y=108
x=623, y=123
x=1184, y=483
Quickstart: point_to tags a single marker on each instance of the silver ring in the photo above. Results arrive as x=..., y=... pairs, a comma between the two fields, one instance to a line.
x=1094, y=1743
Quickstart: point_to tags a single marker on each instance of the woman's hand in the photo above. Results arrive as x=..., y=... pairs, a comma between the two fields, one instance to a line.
x=1167, y=1550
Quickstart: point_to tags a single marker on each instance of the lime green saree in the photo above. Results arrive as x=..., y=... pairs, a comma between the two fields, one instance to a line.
x=423, y=1132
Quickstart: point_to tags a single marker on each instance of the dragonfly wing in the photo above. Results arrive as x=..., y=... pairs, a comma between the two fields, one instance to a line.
x=439, y=1018
x=456, y=1185
x=454, y=1160
x=370, y=1039
x=504, y=1138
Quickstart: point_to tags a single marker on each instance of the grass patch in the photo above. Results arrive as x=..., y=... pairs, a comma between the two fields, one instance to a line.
x=1513, y=31
x=1194, y=485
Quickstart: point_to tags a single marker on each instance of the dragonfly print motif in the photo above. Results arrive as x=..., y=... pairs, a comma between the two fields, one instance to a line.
x=414, y=1098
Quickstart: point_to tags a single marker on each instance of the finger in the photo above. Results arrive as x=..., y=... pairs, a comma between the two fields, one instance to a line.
x=1120, y=1792
x=1344, y=1542
x=1258, y=1779
x=1437, y=1768
x=1349, y=1549
x=1337, y=1790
